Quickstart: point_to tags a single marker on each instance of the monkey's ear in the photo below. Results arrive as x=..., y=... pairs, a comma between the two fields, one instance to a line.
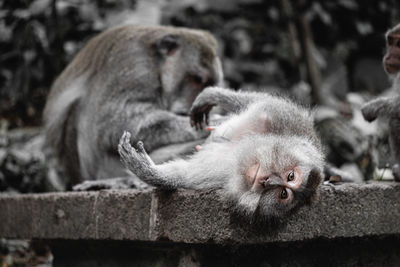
x=168, y=45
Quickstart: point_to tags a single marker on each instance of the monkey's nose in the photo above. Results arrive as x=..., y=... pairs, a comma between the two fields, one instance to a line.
x=271, y=180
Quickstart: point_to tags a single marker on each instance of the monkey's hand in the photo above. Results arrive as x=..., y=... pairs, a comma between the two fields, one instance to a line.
x=200, y=115
x=137, y=161
x=201, y=107
x=372, y=109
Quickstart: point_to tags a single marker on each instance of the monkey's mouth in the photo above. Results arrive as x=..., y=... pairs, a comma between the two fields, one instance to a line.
x=392, y=68
x=392, y=65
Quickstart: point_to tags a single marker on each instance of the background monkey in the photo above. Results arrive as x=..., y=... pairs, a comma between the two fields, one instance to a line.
x=266, y=158
x=389, y=107
x=139, y=78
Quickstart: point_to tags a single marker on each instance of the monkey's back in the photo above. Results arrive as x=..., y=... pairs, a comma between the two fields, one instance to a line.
x=117, y=61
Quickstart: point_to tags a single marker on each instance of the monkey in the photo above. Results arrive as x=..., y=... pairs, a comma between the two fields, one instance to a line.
x=266, y=157
x=389, y=107
x=141, y=78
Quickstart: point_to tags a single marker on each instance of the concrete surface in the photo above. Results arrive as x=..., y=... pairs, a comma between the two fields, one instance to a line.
x=186, y=216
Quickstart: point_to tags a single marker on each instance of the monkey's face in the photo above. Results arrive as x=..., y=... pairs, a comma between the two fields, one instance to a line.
x=190, y=67
x=277, y=176
x=391, y=60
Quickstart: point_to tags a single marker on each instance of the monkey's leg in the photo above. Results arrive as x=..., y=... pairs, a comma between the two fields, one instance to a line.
x=394, y=141
x=139, y=162
x=156, y=128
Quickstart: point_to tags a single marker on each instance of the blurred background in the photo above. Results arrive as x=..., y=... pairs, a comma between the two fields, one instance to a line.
x=325, y=54
x=261, y=43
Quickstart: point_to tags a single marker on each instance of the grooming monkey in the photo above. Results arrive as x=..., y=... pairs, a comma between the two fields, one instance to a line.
x=143, y=79
x=266, y=157
x=389, y=107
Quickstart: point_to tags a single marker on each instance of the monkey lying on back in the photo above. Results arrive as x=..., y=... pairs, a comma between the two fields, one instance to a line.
x=133, y=77
x=389, y=107
x=266, y=157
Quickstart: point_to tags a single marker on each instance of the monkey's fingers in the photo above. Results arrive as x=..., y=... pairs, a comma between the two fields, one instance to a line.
x=192, y=121
x=199, y=115
x=125, y=138
x=143, y=154
x=141, y=150
x=196, y=120
x=203, y=119
x=140, y=147
x=199, y=125
x=125, y=149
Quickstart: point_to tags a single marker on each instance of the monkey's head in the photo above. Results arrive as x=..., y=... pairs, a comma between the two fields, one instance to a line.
x=188, y=63
x=276, y=175
x=391, y=60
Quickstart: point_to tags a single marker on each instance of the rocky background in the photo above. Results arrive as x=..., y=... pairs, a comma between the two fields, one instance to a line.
x=326, y=54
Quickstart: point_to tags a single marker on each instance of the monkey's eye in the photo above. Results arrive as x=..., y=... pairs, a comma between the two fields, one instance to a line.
x=290, y=176
x=284, y=194
x=390, y=40
x=197, y=79
x=209, y=82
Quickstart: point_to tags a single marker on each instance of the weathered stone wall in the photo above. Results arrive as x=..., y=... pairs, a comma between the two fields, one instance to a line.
x=349, y=225
x=187, y=216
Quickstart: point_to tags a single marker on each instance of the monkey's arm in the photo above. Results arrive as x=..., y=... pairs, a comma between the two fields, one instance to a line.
x=174, y=151
x=381, y=107
x=227, y=99
x=155, y=127
x=159, y=128
x=139, y=162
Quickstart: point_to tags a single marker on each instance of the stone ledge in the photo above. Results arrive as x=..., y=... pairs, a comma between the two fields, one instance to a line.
x=187, y=216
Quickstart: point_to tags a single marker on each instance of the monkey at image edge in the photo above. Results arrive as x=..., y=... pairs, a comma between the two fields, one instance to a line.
x=389, y=107
x=136, y=78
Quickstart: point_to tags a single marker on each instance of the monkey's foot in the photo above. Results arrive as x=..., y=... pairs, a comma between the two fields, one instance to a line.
x=112, y=183
x=335, y=175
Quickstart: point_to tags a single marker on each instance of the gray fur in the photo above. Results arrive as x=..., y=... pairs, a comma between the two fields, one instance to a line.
x=138, y=78
x=287, y=140
x=389, y=107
